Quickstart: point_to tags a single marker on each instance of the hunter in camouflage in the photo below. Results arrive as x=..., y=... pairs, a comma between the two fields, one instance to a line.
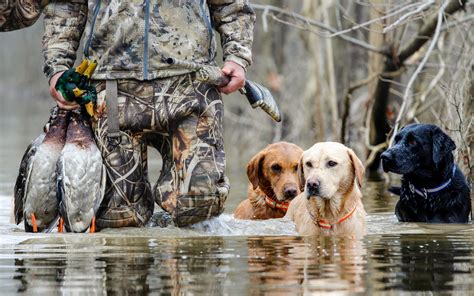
x=159, y=105
x=180, y=118
x=133, y=39
x=17, y=14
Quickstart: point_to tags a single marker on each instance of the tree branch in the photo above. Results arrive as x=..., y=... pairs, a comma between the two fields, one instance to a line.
x=406, y=100
x=315, y=23
x=428, y=30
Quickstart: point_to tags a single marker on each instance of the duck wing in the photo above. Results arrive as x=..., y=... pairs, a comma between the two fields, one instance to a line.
x=81, y=176
x=40, y=204
x=22, y=177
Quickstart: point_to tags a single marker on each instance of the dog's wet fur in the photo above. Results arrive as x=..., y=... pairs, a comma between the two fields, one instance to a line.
x=272, y=172
x=422, y=154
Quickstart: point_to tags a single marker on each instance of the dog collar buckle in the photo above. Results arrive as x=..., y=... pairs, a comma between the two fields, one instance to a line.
x=326, y=224
x=425, y=193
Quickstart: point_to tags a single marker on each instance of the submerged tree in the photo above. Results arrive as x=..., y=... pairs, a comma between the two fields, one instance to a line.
x=358, y=71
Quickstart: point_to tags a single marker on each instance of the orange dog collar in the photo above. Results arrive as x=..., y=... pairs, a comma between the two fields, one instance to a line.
x=325, y=223
x=275, y=204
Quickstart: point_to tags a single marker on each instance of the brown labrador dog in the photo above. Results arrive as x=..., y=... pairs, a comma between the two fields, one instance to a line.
x=331, y=202
x=273, y=182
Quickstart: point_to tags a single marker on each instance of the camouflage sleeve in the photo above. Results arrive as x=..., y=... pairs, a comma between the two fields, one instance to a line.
x=64, y=23
x=15, y=14
x=234, y=20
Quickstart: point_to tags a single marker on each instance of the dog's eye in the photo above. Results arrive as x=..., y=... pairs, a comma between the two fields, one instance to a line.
x=276, y=168
x=411, y=142
x=295, y=168
x=331, y=163
x=309, y=164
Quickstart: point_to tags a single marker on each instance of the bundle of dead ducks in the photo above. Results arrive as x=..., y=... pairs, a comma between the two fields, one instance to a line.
x=61, y=179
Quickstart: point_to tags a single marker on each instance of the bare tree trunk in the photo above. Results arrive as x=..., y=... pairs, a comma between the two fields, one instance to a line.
x=312, y=92
x=378, y=90
x=468, y=160
x=331, y=73
x=379, y=126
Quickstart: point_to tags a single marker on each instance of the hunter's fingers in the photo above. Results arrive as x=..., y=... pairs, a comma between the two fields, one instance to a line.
x=237, y=77
x=227, y=70
x=62, y=103
x=234, y=84
x=66, y=107
x=58, y=97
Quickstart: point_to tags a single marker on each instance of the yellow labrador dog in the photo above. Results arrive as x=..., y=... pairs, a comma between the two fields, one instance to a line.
x=331, y=202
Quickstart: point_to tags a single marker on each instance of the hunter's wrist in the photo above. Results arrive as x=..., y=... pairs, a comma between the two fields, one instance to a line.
x=239, y=61
x=53, y=71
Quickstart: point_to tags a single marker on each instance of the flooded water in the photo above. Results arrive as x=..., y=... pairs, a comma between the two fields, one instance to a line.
x=221, y=256
x=224, y=256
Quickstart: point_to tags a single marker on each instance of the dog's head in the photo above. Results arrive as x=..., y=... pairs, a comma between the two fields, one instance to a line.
x=417, y=146
x=329, y=169
x=274, y=170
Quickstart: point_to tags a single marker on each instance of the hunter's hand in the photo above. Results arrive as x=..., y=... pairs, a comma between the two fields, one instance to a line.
x=57, y=96
x=237, y=77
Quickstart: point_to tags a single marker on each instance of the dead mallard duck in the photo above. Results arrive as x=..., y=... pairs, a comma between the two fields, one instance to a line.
x=35, y=189
x=81, y=177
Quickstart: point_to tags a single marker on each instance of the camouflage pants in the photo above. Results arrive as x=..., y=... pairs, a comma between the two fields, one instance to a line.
x=180, y=118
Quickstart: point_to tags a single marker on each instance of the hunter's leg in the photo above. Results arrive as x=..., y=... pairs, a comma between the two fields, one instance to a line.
x=193, y=186
x=128, y=199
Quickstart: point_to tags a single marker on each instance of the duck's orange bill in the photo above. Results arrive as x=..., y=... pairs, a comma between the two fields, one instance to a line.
x=33, y=221
x=92, y=227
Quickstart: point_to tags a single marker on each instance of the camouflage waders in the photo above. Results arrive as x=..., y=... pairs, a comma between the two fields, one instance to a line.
x=180, y=118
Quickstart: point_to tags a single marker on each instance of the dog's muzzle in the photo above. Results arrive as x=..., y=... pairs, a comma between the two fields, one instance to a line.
x=387, y=161
x=290, y=192
x=313, y=188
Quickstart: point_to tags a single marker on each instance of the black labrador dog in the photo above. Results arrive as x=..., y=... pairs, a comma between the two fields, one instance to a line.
x=433, y=189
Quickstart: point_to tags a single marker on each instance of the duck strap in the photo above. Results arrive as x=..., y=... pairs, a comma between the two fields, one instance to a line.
x=111, y=97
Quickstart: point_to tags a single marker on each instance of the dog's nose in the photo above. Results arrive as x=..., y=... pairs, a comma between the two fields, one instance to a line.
x=387, y=159
x=313, y=185
x=290, y=192
x=386, y=156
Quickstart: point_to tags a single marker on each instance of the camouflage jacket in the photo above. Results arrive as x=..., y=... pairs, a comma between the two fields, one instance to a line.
x=17, y=14
x=133, y=39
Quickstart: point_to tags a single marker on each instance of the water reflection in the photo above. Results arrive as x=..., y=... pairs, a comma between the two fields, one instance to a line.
x=119, y=266
x=88, y=266
x=239, y=265
x=271, y=267
x=190, y=266
x=423, y=262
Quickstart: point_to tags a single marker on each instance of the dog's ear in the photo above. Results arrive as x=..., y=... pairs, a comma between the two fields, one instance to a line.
x=442, y=145
x=254, y=169
x=359, y=168
x=301, y=178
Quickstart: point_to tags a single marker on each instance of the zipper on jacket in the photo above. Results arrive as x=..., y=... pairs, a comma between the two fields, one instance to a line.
x=145, y=47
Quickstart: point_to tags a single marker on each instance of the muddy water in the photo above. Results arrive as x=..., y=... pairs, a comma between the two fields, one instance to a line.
x=223, y=256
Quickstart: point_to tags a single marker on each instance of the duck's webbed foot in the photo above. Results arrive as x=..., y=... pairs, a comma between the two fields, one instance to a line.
x=61, y=225
x=92, y=227
x=33, y=222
